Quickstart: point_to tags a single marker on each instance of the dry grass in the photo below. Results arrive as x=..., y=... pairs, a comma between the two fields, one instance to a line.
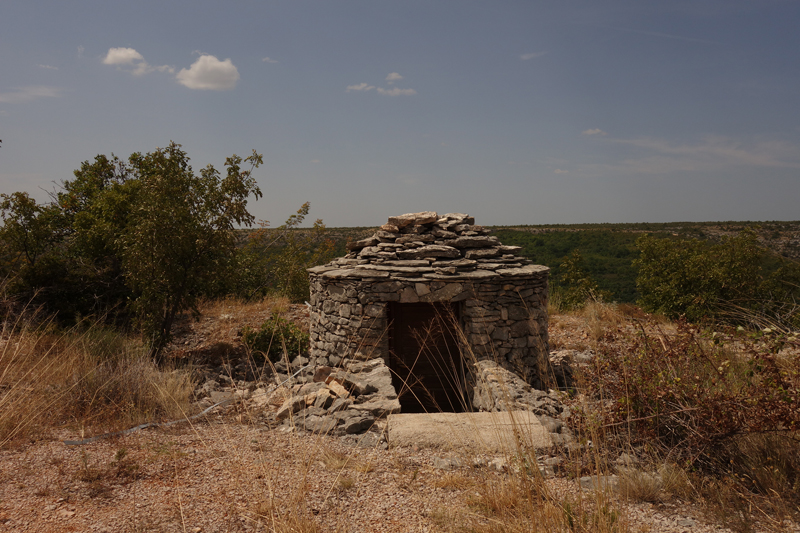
x=232, y=312
x=752, y=477
x=89, y=376
x=102, y=379
x=334, y=460
x=676, y=482
x=278, y=519
x=454, y=481
x=640, y=486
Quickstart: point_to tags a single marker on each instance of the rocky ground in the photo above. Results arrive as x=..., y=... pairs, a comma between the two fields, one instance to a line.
x=241, y=467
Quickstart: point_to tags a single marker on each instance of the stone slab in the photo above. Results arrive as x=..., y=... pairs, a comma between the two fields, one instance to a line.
x=500, y=432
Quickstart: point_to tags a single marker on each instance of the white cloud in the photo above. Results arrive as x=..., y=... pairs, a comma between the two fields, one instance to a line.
x=393, y=77
x=129, y=57
x=122, y=56
x=396, y=92
x=80, y=51
x=360, y=87
x=269, y=60
x=49, y=67
x=531, y=55
x=594, y=131
x=559, y=171
x=209, y=73
x=315, y=160
x=26, y=94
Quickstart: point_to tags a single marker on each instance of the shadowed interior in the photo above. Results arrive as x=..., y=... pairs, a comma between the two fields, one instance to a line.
x=427, y=367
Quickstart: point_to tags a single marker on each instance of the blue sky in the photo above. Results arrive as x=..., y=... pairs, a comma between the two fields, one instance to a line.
x=517, y=112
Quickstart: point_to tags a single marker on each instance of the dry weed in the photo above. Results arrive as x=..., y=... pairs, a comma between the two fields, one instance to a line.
x=641, y=486
x=334, y=460
x=91, y=376
x=675, y=481
x=279, y=518
x=454, y=481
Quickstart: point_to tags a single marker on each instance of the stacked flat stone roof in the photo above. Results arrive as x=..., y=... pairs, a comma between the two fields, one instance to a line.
x=424, y=247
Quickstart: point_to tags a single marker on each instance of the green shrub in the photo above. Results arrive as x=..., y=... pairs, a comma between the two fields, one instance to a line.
x=140, y=239
x=276, y=336
x=576, y=285
x=690, y=277
x=276, y=262
x=735, y=280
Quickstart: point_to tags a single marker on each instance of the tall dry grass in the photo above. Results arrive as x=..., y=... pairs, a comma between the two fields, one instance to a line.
x=710, y=413
x=89, y=377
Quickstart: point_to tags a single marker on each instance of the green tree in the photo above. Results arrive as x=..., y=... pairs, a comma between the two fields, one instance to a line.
x=691, y=277
x=276, y=261
x=178, y=239
x=145, y=236
x=29, y=229
x=29, y=240
x=96, y=206
x=577, y=286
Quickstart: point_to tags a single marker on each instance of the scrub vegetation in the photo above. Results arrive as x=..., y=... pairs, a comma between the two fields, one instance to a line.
x=690, y=393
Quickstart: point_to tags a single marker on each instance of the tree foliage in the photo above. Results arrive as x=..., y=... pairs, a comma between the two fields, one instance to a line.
x=700, y=279
x=576, y=285
x=144, y=237
x=276, y=261
x=606, y=255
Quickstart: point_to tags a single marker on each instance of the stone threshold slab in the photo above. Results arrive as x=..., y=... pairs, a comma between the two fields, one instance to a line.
x=502, y=432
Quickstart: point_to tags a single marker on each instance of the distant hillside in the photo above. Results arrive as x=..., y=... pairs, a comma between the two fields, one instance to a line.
x=608, y=249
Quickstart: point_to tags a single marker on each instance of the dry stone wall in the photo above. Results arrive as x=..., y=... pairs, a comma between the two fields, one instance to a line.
x=424, y=257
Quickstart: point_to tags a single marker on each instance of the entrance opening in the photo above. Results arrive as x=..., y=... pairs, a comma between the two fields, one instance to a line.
x=427, y=368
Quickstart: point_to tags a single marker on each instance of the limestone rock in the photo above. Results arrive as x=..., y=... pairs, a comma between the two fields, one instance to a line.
x=337, y=388
x=321, y=373
x=475, y=242
x=358, y=245
x=431, y=250
x=379, y=408
x=415, y=219
x=482, y=253
x=497, y=389
x=290, y=407
x=560, y=369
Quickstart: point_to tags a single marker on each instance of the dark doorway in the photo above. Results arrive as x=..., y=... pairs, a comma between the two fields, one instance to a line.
x=427, y=368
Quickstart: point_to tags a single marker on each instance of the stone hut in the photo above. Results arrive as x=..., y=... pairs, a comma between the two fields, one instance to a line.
x=431, y=296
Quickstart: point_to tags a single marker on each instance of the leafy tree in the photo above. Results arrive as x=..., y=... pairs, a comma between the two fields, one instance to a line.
x=691, y=277
x=148, y=236
x=178, y=239
x=577, y=286
x=29, y=229
x=96, y=207
x=606, y=254
x=29, y=238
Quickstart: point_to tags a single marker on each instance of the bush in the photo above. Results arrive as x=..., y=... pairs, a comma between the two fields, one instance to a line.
x=276, y=337
x=276, y=262
x=693, y=394
x=689, y=277
x=90, y=376
x=576, y=286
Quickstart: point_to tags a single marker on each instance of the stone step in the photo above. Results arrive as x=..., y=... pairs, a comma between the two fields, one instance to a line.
x=505, y=432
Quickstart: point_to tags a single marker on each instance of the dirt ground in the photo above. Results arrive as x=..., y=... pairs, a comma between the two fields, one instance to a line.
x=231, y=471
